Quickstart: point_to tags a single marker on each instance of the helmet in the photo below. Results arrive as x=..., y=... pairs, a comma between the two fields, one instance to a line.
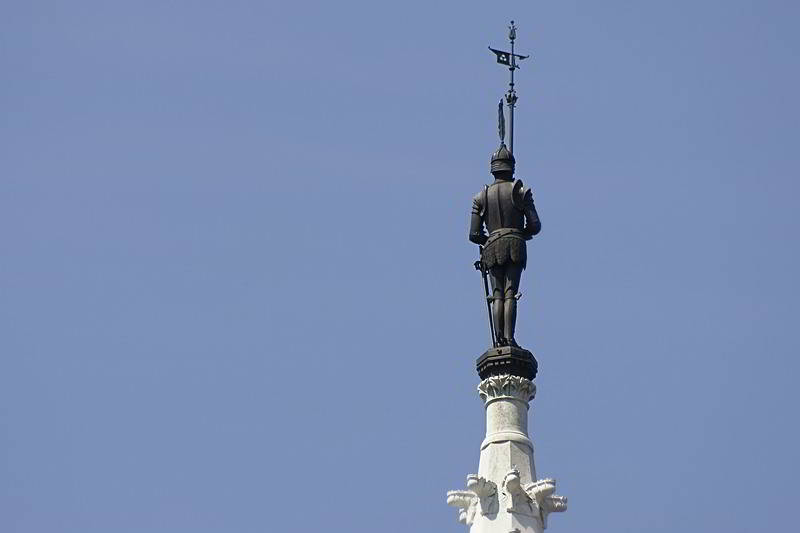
x=502, y=159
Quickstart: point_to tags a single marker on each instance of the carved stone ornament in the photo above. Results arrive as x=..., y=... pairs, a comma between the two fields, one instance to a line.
x=506, y=386
x=467, y=503
x=542, y=492
x=517, y=500
x=480, y=496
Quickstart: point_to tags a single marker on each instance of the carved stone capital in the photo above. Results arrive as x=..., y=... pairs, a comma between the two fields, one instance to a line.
x=506, y=386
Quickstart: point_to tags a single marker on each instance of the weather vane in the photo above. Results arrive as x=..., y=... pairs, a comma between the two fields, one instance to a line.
x=510, y=60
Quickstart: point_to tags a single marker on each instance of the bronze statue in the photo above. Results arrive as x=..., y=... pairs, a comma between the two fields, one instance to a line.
x=506, y=209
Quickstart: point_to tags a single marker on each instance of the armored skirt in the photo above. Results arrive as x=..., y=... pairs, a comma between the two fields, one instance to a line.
x=504, y=246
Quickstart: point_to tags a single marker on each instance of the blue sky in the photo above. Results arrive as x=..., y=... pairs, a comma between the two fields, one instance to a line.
x=236, y=292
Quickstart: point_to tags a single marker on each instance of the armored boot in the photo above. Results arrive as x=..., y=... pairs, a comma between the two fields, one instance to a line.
x=498, y=312
x=509, y=319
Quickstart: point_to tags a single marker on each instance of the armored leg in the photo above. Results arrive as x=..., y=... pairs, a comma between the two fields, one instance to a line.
x=513, y=273
x=498, y=279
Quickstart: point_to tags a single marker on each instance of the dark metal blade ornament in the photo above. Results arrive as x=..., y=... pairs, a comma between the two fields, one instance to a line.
x=501, y=122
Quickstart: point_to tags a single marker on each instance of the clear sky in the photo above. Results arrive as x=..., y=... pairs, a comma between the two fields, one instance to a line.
x=236, y=291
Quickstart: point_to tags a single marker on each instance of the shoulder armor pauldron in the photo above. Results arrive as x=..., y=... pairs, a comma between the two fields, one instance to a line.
x=484, y=200
x=518, y=195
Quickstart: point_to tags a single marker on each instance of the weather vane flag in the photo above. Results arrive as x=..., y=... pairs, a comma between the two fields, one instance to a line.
x=510, y=60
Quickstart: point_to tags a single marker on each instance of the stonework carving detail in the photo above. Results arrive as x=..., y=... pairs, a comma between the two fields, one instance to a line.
x=517, y=500
x=480, y=496
x=467, y=503
x=486, y=491
x=543, y=492
x=506, y=386
x=534, y=499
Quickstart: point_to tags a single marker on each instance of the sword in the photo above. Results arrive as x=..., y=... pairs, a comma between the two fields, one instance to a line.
x=479, y=266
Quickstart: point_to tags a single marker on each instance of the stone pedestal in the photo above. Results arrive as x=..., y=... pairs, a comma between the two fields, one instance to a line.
x=505, y=496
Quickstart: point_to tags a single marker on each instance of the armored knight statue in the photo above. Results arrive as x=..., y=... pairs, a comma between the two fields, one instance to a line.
x=505, y=208
x=506, y=495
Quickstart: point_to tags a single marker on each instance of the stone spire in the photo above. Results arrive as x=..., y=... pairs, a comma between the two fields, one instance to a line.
x=505, y=496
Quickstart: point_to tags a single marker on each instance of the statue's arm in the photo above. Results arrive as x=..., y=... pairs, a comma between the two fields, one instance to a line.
x=532, y=223
x=476, y=233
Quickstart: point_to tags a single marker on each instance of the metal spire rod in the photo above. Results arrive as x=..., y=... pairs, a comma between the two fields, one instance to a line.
x=511, y=96
x=504, y=58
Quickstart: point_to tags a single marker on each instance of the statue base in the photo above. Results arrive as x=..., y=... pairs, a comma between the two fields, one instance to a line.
x=511, y=360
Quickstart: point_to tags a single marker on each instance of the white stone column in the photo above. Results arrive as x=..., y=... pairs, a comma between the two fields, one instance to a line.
x=505, y=497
